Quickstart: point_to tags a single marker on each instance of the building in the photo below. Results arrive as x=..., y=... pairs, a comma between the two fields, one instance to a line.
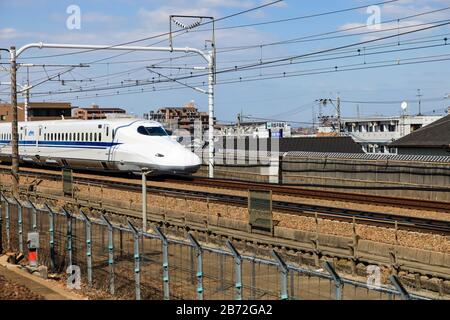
x=37, y=111
x=376, y=133
x=433, y=140
x=260, y=129
x=297, y=144
x=186, y=118
x=96, y=112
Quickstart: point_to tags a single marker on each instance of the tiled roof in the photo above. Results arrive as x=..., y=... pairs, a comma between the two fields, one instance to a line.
x=434, y=135
x=320, y=144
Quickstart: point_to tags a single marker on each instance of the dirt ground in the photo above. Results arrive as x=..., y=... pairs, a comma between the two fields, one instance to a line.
x=10, y=290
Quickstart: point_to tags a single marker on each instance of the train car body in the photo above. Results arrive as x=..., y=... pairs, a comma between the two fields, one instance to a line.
x=129, y=145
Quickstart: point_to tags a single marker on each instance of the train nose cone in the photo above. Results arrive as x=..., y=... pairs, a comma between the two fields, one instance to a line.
x=195, y=160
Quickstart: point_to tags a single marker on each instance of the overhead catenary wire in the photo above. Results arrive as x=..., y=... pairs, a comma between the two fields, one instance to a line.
x=271, y=62
x=234, y=81
x=159, y=35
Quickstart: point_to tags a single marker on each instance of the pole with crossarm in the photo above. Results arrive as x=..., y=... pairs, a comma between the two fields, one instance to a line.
x=207, y=56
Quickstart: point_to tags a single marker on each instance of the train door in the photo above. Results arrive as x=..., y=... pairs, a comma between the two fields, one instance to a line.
x=23, y=134
x=109, y=139
x=38, y=139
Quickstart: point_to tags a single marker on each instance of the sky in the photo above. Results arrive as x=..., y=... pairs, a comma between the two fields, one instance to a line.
x=380, y=66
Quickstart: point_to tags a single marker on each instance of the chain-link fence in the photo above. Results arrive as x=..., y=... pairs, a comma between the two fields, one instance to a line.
x=123, y=262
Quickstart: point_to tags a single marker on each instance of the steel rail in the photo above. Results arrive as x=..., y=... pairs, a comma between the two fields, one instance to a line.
x=341, y=214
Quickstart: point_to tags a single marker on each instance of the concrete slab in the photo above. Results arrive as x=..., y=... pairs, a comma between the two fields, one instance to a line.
x=45, y=288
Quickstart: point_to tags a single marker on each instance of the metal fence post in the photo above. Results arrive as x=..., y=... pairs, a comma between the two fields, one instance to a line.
x=88, y=237
x=199, y=253
x=69, y=234
x=284, y=271
x=8, y=224
x=51, y=234
x=221, y=272
x=1, y=222
x=400, y=288
x=19, y=223
x=165, y=251
x=237, y=270
x=110, y=254
x=253, y=280
x=33, y=215
x=338, y=283
x=137, y=261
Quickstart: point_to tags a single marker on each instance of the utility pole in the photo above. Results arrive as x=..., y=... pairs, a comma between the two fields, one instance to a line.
x=26, y=93
x=338, y=109
x=419, y=95
x=211, y=58
x=239, y=115
x=14, y=126
x=207, y=56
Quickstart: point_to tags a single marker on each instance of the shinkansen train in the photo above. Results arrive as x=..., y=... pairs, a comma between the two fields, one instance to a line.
x=129, y=145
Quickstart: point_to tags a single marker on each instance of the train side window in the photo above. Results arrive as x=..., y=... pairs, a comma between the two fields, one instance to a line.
x=78, y=136
x=99, y=136
x=67, y=136
x=95, y=136
x=90, y=136
x=107, y=131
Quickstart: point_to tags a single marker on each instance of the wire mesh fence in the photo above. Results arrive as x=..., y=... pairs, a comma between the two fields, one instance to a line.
x=120, y=261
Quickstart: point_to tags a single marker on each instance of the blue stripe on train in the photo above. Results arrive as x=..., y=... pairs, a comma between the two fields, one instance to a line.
x=67, y=144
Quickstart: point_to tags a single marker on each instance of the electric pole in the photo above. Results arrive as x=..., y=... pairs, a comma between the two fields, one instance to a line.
x=239, y=123
x=338, y=109
x=419, y=95
x=14, y=126
x=26, y=96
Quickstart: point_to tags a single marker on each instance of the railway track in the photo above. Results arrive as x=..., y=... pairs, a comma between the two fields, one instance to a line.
x=292, y=190
x=340, y=214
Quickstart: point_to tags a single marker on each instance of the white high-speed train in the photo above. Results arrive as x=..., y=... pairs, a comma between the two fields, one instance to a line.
x=111, y=144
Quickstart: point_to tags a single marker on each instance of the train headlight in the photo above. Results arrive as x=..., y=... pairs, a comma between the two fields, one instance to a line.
x=159, y=155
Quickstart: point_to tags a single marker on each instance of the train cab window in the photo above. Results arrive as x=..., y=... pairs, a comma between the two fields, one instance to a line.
x=152, y=131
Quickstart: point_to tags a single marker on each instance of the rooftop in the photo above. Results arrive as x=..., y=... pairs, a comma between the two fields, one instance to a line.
x=434, y=135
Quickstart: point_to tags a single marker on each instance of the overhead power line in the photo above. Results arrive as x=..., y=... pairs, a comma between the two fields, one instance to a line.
x=161, y=34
